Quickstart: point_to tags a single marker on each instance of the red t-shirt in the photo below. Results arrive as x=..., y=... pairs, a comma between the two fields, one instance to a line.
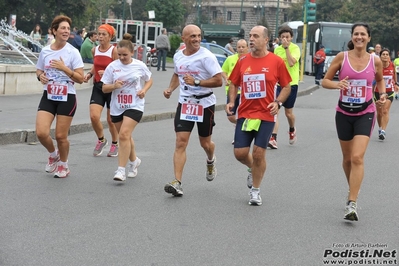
x=319, y=57
x=258, y=78
x=388, y=74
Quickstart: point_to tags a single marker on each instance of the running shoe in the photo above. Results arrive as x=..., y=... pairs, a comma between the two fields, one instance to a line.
x=382, y=135
x=132, y=170
x=62, y=171
x=272, y=143
x=292, y=135
x=100, y=147
x=255, y=198
x=52, y=163
x=396, y=96
x=174, y=188
x=249, y=178
x=120, y=175
x=211, y=170
x=113, y=151
x=350, y=211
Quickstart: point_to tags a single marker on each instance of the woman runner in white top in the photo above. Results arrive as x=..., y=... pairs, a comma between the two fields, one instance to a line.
x=58, y=68
x=129, y=80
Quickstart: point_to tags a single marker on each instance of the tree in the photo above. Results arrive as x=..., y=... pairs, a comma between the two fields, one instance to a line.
x=170, y=12
x=295, y=12
x=381, y=15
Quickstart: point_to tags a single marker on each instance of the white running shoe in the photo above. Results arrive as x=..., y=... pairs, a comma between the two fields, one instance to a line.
x=132, y=170
x=51, y=165
x=62, y=171
x=120, y=175
x=255, y=198
x=351, y=212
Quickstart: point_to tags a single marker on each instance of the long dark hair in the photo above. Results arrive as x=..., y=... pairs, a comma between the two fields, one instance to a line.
x=351, y=46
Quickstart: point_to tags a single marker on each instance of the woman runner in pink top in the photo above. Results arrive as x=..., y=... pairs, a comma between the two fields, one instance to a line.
x=355, y=116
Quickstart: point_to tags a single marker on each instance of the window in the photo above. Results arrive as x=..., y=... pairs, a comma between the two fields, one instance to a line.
x=214, y=14
x=229, y=15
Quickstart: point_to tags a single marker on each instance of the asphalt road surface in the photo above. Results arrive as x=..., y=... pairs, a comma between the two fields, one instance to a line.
x=89, y=219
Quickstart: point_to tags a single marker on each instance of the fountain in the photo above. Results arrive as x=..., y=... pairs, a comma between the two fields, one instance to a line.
x=18, y=72
x=10, y=37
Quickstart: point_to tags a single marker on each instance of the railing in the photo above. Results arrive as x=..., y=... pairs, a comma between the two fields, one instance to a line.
x=8, y=36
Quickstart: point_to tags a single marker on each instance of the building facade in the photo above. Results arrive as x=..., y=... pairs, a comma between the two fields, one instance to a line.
x=242, y=13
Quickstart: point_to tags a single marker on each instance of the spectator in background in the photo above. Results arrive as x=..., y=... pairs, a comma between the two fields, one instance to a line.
x=87, y=46
x=276, y=43
x=162, y=45
x=78, y=40
x=72, y=35
x=318, y=61
x=36, y=35
x=49, y=37
x=378, y=49
x=229, y=46
x=371, y=50
x=396, y=64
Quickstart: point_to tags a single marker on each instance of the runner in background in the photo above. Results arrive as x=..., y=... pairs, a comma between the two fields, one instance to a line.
x=290, y=53
x=103, y=55
x=228, y=66
x=391, y=86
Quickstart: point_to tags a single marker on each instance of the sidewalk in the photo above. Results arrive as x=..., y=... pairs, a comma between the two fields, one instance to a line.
x=18, y=112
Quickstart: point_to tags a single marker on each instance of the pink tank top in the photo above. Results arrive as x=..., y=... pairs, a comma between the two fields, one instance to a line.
x=101, y=60
x=360, y=89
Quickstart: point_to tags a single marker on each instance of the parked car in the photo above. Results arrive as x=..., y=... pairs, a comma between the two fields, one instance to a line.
x=220, y=52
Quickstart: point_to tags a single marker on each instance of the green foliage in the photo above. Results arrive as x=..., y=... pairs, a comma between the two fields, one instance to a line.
x=169, y=12
x=295, y=12
x=382, y=17
x=175, y=41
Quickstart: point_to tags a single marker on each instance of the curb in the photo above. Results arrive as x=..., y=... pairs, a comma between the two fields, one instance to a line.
x=29, y=136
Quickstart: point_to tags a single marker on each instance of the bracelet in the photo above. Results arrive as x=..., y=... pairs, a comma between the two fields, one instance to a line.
x=285, y=47
x=38, y=77
x=384, y=93
x=91, y=74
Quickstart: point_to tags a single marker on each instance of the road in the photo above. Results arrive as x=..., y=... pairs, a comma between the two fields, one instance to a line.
x=88, y=219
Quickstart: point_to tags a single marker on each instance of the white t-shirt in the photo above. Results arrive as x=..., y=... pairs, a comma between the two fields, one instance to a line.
x=134, y=76
x=72, y=59
x=201, y=65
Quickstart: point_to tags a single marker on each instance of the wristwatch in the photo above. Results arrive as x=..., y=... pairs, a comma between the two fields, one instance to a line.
x=279, y=103
x=197, y=82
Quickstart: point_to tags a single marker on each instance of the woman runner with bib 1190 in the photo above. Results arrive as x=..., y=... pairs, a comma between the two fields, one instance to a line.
x=58, y=68
x=355, y=113
x=129, y=80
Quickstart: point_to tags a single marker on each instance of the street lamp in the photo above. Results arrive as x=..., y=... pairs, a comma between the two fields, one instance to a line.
x=277, y=15
x=197, y=4
x=261, y=9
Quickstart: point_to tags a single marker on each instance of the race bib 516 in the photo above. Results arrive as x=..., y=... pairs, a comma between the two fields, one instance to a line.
x=254, y=86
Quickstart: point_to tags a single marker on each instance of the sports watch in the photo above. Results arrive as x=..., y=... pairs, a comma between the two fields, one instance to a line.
x=279, y=103
x=197, y=82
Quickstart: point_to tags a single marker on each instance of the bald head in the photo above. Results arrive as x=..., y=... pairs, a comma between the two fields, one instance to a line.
x=187, y=30
x=242, y=47
x=191, y=36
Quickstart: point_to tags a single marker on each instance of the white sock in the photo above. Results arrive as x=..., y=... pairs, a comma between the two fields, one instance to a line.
x=53, y=154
